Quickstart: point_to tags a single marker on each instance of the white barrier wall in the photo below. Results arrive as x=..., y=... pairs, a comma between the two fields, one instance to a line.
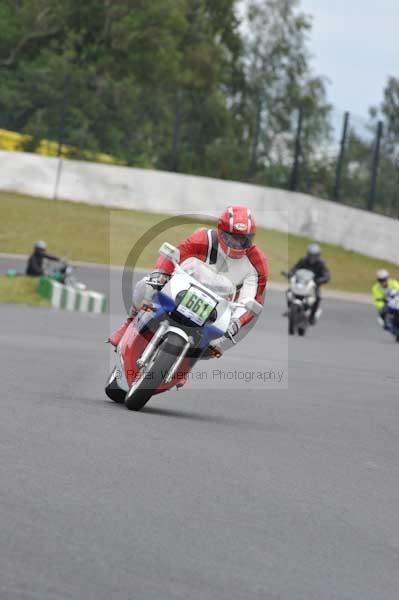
x=158, y=191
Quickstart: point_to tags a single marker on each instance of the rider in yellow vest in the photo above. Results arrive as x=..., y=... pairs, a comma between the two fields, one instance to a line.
x=382, y=285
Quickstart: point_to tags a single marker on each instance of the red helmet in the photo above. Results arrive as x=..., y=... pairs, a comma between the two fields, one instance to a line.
x=236, y=230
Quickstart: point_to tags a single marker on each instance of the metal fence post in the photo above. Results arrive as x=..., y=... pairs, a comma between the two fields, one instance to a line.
x=374, y=172
x=338, y=174
x=295, y=166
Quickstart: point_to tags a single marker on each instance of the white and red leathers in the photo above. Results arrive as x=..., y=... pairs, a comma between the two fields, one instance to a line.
x=249, y=273
x=229, y=249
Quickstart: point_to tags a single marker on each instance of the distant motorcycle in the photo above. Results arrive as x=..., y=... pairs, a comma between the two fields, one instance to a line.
x=301, y=296
x=63, y=272
x=172, y=331
x=392, y=313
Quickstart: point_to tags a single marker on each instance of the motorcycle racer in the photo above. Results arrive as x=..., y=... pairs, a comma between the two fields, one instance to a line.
x=313, y=262
x=379, y=290
x=34, y=267
x=230, y=249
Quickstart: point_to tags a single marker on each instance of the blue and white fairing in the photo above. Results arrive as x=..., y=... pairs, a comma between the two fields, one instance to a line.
x=194, y=274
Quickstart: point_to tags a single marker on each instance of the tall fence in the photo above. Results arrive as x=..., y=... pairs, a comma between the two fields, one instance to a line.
x=357, y=164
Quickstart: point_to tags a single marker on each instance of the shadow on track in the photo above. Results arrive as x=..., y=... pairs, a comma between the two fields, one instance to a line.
x=195, y=416
x=205, y=418
x=182, y=414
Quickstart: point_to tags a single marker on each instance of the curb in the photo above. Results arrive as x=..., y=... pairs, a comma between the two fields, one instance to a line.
x=69, y=298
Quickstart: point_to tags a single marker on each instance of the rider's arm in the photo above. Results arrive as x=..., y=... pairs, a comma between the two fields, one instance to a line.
x=298, y=265
x=324, y=275
x=50, y=257
x=254, y=285
x=196, y=245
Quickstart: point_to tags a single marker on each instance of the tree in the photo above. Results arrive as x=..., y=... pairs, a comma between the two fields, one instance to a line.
x=278, y=82
x=389, y=165
x=169, y=84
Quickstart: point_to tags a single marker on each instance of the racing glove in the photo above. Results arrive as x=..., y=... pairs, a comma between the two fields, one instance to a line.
x=234, y=328
x=157, y=279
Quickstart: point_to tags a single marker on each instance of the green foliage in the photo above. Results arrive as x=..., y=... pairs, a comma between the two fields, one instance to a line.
x=209, y=87
x=172, y=84
x=278, y=82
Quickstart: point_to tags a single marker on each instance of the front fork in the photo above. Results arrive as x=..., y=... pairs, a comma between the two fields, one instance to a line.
x=148, y=353
x=152, y=345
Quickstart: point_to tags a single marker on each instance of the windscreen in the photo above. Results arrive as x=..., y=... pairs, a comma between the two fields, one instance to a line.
x=206, y=275
x=303, y=276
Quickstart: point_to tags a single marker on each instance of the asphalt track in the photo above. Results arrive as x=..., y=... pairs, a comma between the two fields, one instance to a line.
x=232, y=490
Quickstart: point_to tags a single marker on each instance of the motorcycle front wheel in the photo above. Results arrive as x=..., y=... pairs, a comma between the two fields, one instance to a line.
x=295, y=317
x=112, y=389
x=292, y=320
x=150, y=379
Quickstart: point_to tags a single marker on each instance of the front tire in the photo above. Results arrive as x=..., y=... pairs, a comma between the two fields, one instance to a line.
x=113, y=391
x=142, y=389
x=291, y=320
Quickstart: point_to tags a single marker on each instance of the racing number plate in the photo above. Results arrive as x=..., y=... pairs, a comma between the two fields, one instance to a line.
x=196, y=305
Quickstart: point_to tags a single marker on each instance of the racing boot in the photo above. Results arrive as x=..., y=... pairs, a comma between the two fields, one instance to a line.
x=116, y=337
x=118, y=334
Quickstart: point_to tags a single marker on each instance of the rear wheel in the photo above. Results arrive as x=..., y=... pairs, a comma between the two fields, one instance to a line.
x=149, y=380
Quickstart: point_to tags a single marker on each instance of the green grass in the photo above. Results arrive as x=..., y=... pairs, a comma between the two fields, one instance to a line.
x=21, y=290
x=99, y=234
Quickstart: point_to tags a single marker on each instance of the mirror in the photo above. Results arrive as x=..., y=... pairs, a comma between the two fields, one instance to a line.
x=170, y=252
x=253, y=306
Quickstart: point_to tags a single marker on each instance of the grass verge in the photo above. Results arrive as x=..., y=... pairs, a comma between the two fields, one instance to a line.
x=21, y=290
x=100, y=234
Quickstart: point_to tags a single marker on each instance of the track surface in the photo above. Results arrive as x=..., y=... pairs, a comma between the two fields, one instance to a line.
x=288, y=493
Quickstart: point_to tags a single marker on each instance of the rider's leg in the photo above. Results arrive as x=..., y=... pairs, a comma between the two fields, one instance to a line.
x=315, y=307
x=139, y=295
x=383, y=318
x=218, y=347
x=289, y=302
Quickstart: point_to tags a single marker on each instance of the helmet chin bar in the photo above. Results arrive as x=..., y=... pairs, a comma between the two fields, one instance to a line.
x=233, y=253
x=234, y=245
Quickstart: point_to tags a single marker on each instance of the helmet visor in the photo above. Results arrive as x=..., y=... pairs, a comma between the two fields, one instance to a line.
x=237, y=241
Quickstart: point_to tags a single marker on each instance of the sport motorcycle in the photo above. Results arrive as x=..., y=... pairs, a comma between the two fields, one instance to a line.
x=392, y=313
x=301, y=296
x=176, y=326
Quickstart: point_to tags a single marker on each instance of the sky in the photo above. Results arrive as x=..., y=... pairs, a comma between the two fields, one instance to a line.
x=355, y=44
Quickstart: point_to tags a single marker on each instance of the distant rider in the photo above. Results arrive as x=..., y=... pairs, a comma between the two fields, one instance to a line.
x=34, y=267
x=379, y=291
x=313, y=262
x=231, y=250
